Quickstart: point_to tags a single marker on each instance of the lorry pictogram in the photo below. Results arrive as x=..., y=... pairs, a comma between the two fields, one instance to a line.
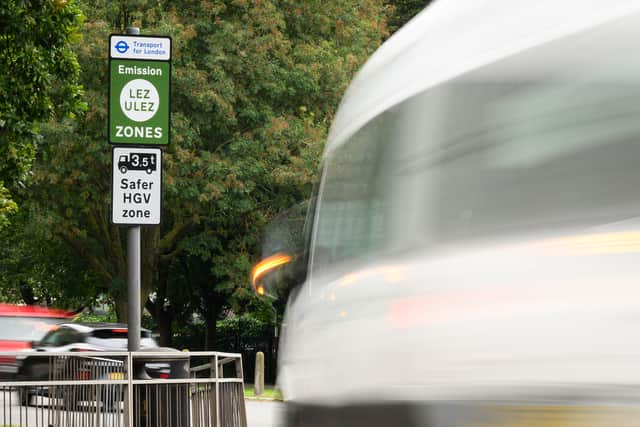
x=137, y=162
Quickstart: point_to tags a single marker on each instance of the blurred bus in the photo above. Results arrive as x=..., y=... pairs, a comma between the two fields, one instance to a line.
x=472, y=252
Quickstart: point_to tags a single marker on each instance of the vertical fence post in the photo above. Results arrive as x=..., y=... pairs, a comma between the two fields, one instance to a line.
x=129, y=402
x=217, y=392
x=258, y=382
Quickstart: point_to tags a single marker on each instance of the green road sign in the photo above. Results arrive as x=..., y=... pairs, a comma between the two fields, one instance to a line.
x=138, y=92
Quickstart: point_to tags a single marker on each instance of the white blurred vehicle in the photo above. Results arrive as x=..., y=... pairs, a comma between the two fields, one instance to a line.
x=89, y=338
x=473, y=252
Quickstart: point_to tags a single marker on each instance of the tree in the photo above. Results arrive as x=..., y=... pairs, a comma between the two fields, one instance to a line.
x=255, y=85
x=404, y=10
x=34, y=272
x=267, y=78
x=38, y=81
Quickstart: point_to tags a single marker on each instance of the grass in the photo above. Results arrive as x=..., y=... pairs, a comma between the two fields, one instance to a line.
x=269, y=393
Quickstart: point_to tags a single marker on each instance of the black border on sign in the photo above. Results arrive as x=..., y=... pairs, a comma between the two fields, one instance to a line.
x=134, y=60
x=113, y=154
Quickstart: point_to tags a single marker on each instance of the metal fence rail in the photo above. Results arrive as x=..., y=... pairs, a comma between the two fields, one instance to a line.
x=122, y=389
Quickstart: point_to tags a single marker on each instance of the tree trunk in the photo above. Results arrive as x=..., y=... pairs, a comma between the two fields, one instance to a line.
x=121, y=309
x=165, y=319
x=211, y=316
x=161, y=310
x=149, y=267
x=26, y=292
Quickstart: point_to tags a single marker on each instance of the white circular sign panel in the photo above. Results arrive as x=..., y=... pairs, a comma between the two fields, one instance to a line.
x=139, y=100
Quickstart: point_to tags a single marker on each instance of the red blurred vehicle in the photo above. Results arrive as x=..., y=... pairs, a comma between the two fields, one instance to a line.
x=20, y=326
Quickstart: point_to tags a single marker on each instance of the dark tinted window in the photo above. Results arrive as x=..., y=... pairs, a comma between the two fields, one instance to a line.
x=61, y=337
x=116, y=333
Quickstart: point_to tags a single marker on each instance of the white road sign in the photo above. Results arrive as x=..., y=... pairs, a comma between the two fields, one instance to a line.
x=137, y=186
x=140, y=47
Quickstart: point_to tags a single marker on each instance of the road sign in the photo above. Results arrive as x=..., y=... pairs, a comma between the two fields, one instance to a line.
x=139, y=89
x=137, y=186
x=140, y=47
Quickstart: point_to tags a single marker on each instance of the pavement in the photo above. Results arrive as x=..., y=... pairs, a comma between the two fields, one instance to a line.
x=264, y=413
x=260, y=413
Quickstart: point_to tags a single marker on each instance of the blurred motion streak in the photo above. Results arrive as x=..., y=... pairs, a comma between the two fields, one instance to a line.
x=590, y=244
x=510, y=302
x=390, y=273
x=266, y=265
x=559, y=416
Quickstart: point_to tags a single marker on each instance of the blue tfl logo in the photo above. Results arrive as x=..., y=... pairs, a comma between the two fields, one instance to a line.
x=122, y=46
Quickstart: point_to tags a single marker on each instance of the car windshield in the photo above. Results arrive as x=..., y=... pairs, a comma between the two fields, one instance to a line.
x=523, y=146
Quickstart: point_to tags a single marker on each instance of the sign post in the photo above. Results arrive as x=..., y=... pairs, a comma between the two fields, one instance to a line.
x=139, y=117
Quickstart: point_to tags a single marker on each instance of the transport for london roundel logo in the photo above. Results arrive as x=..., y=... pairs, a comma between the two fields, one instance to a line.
x=139, y=100
x=122, y=46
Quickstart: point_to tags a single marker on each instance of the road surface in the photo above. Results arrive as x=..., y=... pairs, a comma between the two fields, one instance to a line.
x=43, y=413
x=262, y=413
x=259, y=414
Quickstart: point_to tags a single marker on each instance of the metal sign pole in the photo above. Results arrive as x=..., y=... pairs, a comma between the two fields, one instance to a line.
x=133, y=276
x=133, y=288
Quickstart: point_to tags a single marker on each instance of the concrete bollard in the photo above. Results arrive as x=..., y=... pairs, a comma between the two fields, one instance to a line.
x=258, y=382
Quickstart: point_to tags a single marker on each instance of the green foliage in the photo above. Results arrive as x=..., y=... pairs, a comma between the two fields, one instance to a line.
x=37, y=267
x=404, y=10
x=94, y=316
x=7, y=206
x=269, y=393
x=38, y=82
x=247, y=325
x=255, y=86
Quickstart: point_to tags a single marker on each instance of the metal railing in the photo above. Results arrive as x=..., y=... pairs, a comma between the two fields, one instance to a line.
x=122, y=389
